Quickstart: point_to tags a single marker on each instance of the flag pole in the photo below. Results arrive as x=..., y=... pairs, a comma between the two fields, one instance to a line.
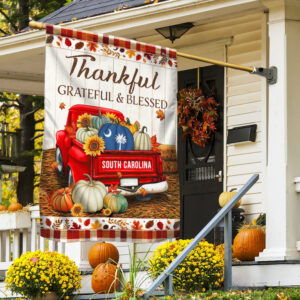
x=269, y=73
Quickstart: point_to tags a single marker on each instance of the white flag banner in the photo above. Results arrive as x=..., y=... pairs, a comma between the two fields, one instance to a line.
x=109, y=168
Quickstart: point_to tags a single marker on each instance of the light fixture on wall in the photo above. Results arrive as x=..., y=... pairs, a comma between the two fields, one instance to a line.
x=175, y=31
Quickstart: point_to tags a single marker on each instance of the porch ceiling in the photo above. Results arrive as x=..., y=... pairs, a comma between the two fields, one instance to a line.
x=22, y=56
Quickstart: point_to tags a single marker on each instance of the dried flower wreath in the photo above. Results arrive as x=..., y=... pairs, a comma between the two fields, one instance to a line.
x=197, y=115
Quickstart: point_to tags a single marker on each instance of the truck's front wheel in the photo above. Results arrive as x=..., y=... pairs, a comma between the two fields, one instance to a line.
x=70, y=177
x=58, y=158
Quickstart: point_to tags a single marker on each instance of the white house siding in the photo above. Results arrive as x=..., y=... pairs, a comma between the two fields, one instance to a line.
x=246, y=104
x=240, y=40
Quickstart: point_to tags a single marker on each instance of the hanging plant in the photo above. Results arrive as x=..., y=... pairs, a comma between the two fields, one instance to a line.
x=197, y=115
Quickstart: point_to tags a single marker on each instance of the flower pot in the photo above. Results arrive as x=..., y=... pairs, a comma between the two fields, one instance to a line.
x=48, y=296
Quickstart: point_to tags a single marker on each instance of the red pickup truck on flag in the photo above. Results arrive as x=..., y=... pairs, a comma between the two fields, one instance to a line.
x=133, y=171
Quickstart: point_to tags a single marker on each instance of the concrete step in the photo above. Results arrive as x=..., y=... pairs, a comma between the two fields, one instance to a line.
x=266, y=274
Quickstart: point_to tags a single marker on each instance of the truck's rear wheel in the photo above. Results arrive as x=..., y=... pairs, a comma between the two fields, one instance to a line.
x=58, y=158
x=144, y=197
x=70, y=177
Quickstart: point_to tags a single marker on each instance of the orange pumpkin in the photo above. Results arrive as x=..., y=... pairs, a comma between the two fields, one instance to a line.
x=15, y=207
x=3, y=207
x=248, y=243
x=102, y=252
x=61, y=200
x=105, y=279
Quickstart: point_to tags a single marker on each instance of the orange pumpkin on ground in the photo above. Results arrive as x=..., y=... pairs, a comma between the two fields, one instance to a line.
x=248, y=243
x=102, y=252
x=3, y=207
x=105, y=279
x=15, y=207
x=61, y=200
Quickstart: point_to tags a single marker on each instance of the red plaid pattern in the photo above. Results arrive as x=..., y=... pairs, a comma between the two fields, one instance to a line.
x=138, y=236
x=109, y=39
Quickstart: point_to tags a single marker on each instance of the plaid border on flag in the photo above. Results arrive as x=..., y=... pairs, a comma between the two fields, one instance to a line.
x=138, y=236
x=110, y=40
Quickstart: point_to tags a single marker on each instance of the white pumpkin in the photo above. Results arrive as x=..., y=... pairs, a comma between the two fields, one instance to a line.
x=83, y=133
x=142, y=140
x=89, y=194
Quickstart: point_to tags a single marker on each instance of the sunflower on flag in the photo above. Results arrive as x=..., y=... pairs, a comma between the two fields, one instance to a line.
x=94, y=145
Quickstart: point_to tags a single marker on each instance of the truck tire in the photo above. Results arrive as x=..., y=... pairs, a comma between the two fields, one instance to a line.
x=144, y=198
x=70, y=177
x=58, y=159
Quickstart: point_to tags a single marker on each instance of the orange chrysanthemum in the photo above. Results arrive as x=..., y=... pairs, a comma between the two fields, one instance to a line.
x=77, y=210
x=84, y=120
x=94, y=145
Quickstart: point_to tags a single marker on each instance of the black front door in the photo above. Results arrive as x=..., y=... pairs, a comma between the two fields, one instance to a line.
x=201, y=168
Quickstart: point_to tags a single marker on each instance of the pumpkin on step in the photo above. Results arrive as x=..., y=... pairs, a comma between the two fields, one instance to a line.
x=3, y=207
x=83, y=133
x=89, y=194
x=142, y=141
x=102, y=253
x=15, y=206
x=225, y=197
x=247, y=244
x=98, y=121
x=117, y=203
x=116, y=137
x=105, y=278
x=61, y=200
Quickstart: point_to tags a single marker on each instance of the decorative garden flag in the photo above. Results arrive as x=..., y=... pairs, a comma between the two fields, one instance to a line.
x=109, y=168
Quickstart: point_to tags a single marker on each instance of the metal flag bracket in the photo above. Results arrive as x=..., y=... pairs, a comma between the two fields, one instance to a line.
x=269, y=73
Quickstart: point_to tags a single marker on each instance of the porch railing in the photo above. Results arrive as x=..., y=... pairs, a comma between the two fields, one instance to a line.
x=224, y=213
x=17, y=241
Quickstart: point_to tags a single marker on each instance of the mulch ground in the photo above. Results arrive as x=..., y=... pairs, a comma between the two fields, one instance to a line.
x=160, y=206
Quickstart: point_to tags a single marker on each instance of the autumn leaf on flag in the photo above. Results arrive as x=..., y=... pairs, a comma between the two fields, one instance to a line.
x=96, y=225
x=62, y=105
x=54, y=165
x=113, y=188
x=154, y=143
x=143, y=191
x=130, y=53
x=71, y=130
x=68, y=42
x=93, y=46
x=79, y=45
x=160, y=114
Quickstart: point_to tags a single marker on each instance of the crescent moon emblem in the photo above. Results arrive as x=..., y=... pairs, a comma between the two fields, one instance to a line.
x=107, y=133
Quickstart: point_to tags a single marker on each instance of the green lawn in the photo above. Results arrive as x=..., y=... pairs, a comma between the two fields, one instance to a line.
x=266, y=294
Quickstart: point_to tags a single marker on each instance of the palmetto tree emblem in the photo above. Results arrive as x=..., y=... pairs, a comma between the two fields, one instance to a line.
x=121, y=140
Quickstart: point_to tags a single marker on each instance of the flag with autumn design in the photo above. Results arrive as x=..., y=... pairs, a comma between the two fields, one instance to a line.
x=109, y=168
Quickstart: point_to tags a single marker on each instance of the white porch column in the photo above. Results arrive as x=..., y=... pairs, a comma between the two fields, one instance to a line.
x=283, y=203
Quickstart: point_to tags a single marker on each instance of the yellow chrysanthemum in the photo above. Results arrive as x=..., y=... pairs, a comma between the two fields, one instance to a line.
x=77, y=210
x=40, y=272
x=112, y=116
x=84, y=120
x=202, y=269
x=94, y=145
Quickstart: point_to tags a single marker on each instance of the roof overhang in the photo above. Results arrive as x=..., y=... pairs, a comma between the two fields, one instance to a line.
x=22, y=55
